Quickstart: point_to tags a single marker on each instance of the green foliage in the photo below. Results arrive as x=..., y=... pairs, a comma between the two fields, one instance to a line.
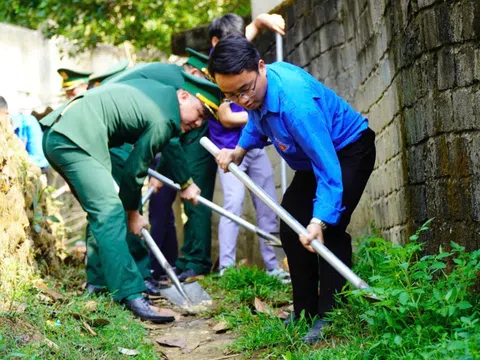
x=22, y=335
x=429, y=308
x=241, y=286
x=146, y=24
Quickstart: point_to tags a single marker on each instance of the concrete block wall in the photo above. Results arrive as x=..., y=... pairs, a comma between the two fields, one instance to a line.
x=29, y=61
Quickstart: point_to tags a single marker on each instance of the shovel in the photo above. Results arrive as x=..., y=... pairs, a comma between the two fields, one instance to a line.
x=321, y=249
x=186, y=296
x=271, y=240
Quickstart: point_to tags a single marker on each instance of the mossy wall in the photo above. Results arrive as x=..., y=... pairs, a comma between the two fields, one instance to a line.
x=413, y=68
x=27, y=237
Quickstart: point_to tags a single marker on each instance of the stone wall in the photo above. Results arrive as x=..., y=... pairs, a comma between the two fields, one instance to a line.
x=413, y=68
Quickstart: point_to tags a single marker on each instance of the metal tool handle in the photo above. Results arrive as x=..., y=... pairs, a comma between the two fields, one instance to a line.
x=321, y=249
x=152, y=245
x=219, y=210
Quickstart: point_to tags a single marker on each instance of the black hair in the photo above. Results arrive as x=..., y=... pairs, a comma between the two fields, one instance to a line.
x=229, y=24
x=3, y=103
x=233, y=55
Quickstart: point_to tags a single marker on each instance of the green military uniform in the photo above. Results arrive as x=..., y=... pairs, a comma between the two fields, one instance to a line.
x=118, y=156
x=196, y=249
x=144, y=112
x=202, y=168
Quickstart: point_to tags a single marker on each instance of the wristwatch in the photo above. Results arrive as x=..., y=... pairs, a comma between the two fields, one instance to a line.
x=319, y=222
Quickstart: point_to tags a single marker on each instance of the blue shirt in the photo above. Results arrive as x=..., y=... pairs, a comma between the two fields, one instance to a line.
x=225, y=137
x=28, y=130
x=307, y=123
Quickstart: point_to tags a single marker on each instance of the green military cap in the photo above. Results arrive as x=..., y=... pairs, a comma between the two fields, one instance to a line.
x=208, y=92
x=72, y=78
x=198, y=60
x=96, y=78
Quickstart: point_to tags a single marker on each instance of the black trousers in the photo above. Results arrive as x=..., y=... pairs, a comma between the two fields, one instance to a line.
x=308, y=269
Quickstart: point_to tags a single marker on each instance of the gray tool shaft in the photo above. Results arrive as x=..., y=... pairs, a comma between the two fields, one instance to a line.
x=152, y=245
x=163, y=262
x=219, y=209
x=321, y=249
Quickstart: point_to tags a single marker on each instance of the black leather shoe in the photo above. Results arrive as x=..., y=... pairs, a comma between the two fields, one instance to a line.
x=96, y=289
x=315, y=332
x=291, y=319
x=187, y=274
x=141, y=308
x=151, y=287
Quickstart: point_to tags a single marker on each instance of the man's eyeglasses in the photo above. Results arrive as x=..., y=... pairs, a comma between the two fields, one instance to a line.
x=245, y=95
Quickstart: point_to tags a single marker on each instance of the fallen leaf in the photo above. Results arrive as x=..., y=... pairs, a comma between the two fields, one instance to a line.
x=262, y=307
x=90, y=330
x=171, y=342
x=190, y=347
x=124, y=328
x=281, y=314
x=53, y=294
x=98, y=322
x=242, y=262
x=91, y=306
x=39, y=284
x=44, y=299
x=166, y=312
x=221, y=327
x=128, y=352
x=284, y=265
x=194, y=278
x=51, y=344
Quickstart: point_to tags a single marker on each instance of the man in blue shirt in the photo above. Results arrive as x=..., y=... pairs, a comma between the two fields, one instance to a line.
x=322, y=138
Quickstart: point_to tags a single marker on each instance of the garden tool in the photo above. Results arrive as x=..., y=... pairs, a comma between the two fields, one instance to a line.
x=271, y=240
x=186, y=295
x=321, y=249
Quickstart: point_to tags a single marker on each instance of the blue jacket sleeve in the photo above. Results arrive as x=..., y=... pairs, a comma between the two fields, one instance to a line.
x=310, y=130
x=34, y=141
x=251, y=137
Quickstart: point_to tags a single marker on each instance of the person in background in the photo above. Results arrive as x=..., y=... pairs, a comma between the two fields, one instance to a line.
x=322, y=138
x=28, y=130
x=225, y=133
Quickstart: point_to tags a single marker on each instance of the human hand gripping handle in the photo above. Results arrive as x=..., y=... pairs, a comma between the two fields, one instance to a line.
x=226, y=156
x=314, y=233
x=315, y=244
x=190, y=193
x=136, y=222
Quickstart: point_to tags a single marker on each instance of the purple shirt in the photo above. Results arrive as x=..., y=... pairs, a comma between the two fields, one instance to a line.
x=222, y=136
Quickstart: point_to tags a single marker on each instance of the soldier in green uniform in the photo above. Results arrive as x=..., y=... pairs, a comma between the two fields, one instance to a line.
x=201, y=168
x=143, y=112
x=95, y=278
x=74, y=82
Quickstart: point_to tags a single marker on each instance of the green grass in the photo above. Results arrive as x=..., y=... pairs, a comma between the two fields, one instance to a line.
x=429, y=308
x=61, y=323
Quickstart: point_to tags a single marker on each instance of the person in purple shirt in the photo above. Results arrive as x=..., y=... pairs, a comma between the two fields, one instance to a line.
x=225, y=133
x=321, y=137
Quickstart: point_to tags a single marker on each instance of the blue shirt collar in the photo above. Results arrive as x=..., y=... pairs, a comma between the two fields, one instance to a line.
x=271, y=102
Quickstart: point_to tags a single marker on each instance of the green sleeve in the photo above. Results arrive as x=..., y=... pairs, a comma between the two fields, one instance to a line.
x=136, y=166
x=173, y=162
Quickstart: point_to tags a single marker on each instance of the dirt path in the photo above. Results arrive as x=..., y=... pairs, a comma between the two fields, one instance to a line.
x=189, y=337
